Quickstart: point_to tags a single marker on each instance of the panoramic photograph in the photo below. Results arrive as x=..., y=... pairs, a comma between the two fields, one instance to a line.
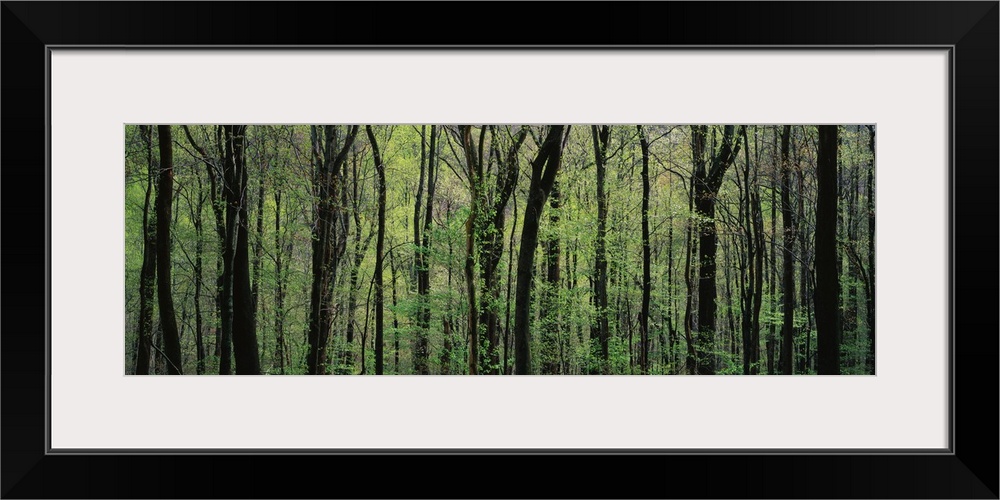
x=445, y=249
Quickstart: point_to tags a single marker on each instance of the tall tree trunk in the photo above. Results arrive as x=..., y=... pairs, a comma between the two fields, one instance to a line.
x=379, y=254
x=772, y=341
x=707, y=182
x=691, y=356
x=258, y=247
x=164, y=194
x=787, y=242
x=510, y=269
x=550, y=362
x=646, y=267
x=544, y=168
x=421, y=351
x=279, y=285
x=199, y=248
x=601, y=136
x=473, y=227
x=327, y=247
x=360, y=249
x=395, y=315
x=491, y=247
x=827, y=293
x=147, y=275
x=245, y=349
x=753, y=291
x=805, y=280
x=870, y=292
x=417, y=208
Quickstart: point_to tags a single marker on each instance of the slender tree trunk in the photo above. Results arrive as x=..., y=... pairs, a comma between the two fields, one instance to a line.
x=360, y=249
x=691, y=357
x=379, y=254
x=870, y=292
x=827, y=291
x=199, y=248
x=164, y=194
x=395, y=315
x=258, y=248
x=772, y=341
x=787, y=269
x=279, y=285
x=601, y=136
x=147, y=276
x=646, y=266
x=474, y=164
x=544, y=168
x=550, y=362
x=421, y=351
x=510, y=269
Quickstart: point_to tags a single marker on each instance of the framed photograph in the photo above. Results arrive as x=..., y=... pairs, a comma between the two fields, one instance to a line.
x=733, y=129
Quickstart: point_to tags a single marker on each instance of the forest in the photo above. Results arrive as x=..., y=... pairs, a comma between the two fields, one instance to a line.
x=500, y=249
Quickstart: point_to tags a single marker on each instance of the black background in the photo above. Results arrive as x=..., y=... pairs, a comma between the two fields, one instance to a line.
x=972, y=472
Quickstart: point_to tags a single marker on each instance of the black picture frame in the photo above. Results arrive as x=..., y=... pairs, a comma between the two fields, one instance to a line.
x=968, y=29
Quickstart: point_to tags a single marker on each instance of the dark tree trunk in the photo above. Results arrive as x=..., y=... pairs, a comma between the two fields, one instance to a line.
x=510, y=269
x=279, y=285
x=753, y=291
x=707, y=182
x=870, y=290
x=379, y=254
x=258, y=247
x=417, y=207
x=803, y=258
x=491, y=250
x=827, y=293
x=360, y=249
x=245, y=350
x=646, y=268
x=199, y=249
x=772, y=341
x=473, y=228
x=395, y=315
x=601, y=136
x=691, y=356
x=788, y=242
x=147, y=276
x=327, y=245
x=544, y=168
x=421, y=350
x=550, y=362
x=164, y=194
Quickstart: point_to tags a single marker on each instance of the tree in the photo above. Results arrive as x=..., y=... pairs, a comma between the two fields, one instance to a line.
x=491, y=242
x=601, y=136
x=646, y=267
x=474, y=164
x=379, y=253
x=328, y=244
x=707, y=180
x=147, y=278
x=245, y=349
x=787, y=243
x=164, y=196
x=420, y=355
x=544, y=168
x=827, y=293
